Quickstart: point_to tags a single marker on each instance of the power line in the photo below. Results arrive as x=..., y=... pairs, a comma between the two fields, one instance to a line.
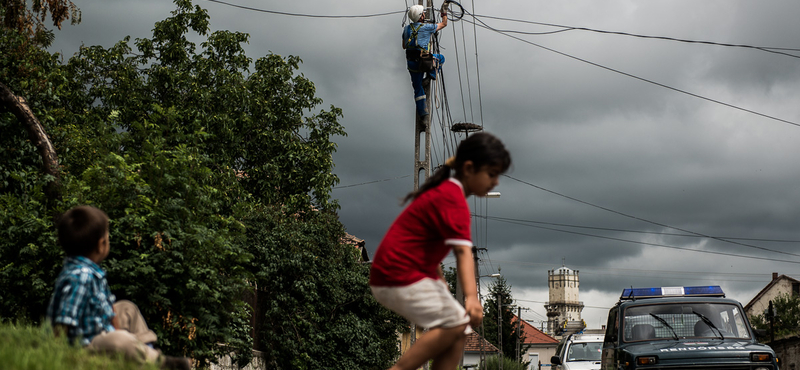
x=306, y=15
x=477, y=68
x=525, y=300
x=484, y=25
x=506, y=33
x=684, y=275
x=768, y=49
x=658, y=245
x=647, y=221
x=590, y=268
x=636, y=231
x=371, y=182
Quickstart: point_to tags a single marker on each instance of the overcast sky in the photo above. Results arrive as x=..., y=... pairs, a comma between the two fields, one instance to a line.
x=621, y=145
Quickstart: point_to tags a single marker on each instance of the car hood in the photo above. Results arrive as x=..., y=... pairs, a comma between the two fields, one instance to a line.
x=698, y=351
x=583, y=365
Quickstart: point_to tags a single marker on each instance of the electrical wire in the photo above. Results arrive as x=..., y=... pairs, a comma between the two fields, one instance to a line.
x=646, y=220
x=477, y=67
x=370, y=182
x=456, y=16
x=768, y=49
x=693, y=275
x=659, y=245
x=638, y=231
x=306, y=15
x=484, y=25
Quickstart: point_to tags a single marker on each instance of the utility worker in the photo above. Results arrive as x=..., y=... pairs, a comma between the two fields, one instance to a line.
x=416, y=37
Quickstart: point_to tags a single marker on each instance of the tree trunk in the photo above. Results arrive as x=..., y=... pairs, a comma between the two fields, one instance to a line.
x=37, y=134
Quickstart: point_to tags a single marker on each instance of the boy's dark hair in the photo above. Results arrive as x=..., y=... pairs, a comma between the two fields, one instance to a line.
x=483, y=149
x=80, y=228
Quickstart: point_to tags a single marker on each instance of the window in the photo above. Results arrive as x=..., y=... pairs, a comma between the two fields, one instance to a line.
x=683, y=320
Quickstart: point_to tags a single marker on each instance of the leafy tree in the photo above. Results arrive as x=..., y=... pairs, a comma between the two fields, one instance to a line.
x=451, y=277
x=29, y=258
x=317, y=313
x=787, y=316
x=17, y=16
x=500, y=291
x=217, y=181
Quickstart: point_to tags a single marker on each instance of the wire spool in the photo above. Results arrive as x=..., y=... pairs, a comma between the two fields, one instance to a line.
x=455, y=12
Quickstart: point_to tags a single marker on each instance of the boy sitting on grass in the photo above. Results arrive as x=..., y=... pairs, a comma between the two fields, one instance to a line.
x=82, y=305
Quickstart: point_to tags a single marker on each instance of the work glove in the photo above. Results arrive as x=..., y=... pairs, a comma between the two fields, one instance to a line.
x=444, y=7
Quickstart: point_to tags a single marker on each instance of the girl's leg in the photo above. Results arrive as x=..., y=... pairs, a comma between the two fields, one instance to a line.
x=451, y=358
x=432, y=345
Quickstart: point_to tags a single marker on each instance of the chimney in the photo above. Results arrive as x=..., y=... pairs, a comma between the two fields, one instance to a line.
x=774, y=276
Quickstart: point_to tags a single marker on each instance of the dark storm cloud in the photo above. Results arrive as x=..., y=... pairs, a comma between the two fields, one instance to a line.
x=576, y=129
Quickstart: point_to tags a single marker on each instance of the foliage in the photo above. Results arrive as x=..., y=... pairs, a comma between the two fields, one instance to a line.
x=24, y=347
x=493, y=363
x=29, y=258
x=216, y=179
x=500, y=290
x=317, y=314
x=15, y=15
x=451, y=277
x=787, y=316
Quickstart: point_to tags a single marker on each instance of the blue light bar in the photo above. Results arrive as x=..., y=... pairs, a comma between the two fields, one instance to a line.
x=689, y=291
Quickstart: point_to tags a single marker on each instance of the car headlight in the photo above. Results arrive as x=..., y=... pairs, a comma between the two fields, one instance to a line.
x=760, y=357
x=646, y=360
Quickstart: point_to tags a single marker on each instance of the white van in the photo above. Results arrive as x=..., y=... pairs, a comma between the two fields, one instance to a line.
x=578, y=352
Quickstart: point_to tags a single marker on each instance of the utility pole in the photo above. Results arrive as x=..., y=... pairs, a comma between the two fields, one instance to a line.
x=482, y=360
x=500, y=329
x=519, y=331
x=423, y=125
x=771, y=317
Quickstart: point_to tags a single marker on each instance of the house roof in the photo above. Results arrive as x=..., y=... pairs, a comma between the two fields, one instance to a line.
x=533, y=335
x=359, y=244
x=767, y=288
x=474, y=344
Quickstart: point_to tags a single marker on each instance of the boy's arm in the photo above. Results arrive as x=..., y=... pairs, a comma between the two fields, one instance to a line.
x=466, y=278
x=115, y=319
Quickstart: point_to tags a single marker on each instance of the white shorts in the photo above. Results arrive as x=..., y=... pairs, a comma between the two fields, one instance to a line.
x=427, y=303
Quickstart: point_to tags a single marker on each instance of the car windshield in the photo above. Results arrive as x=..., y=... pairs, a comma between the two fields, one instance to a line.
x=670, y=321
x=588, y=351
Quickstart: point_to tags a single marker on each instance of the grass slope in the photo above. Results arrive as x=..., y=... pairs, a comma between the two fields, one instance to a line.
x=24, y=347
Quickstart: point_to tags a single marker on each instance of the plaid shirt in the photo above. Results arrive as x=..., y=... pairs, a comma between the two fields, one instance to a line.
x=82, y=300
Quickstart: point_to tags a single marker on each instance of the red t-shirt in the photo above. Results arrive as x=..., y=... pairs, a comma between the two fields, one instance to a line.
x=423, y=234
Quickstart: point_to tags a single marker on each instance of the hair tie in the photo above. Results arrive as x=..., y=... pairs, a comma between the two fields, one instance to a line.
x=450, y=162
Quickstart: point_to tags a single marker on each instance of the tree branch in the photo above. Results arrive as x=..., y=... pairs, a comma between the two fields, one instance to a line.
x=37, y=134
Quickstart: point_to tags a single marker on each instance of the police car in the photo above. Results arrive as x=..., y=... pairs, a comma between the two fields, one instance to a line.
x=578, y=352
x=681, y=328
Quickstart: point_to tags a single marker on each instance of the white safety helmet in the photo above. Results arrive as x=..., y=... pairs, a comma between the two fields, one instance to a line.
x=414, y=12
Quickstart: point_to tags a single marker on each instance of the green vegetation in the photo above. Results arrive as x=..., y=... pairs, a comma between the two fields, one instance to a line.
x=25, y=347
x=787, y=316
x=500, y=290
x=216, y=172
x=493, y=363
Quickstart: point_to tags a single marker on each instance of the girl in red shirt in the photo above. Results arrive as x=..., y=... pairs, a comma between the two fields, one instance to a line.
x=406, y=276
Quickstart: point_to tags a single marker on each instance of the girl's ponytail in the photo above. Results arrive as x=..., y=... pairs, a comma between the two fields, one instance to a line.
x=482, y=149
x=440, y=175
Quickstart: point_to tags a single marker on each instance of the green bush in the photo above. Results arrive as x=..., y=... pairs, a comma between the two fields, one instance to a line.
x=493, y=363
x=24, y=347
